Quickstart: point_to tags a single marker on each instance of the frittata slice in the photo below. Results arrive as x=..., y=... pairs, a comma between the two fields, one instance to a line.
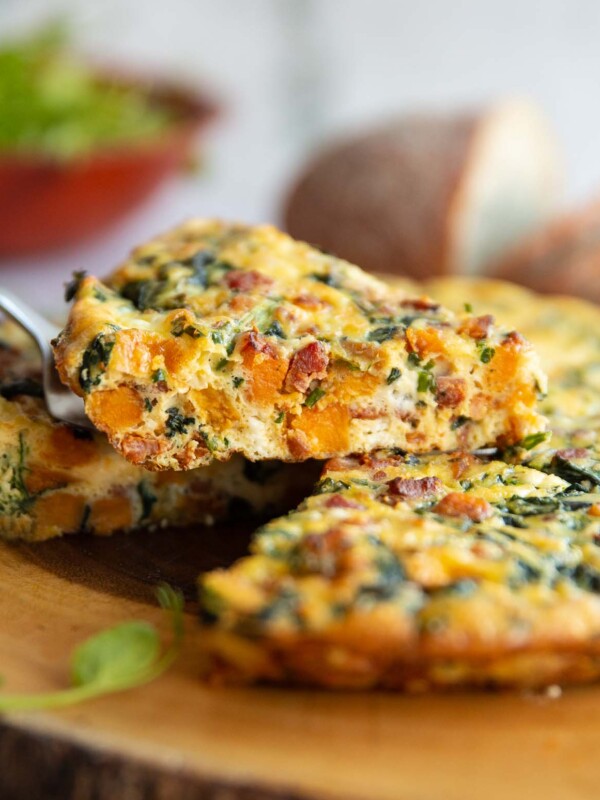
x=217, y=339
x=56, y=479
x=564, y=331
x=411, y=572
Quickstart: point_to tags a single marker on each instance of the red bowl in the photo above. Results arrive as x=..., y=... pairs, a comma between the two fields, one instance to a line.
x=46, y=204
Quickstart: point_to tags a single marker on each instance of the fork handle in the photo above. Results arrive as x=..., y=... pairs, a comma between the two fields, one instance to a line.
x=36, y=325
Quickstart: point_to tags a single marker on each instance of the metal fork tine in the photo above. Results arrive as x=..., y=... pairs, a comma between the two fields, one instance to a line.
x=61, y=403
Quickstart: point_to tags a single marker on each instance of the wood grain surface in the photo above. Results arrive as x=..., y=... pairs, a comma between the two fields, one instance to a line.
x=177, y=739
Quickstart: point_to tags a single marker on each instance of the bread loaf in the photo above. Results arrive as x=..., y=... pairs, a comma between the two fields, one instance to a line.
x=562, y=258
x=433, y=194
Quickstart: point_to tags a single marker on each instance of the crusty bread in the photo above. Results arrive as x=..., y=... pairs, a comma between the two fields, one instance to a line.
x=561, y=258
x=430, y=194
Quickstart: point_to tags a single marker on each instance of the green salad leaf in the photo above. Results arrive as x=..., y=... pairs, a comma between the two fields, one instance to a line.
x=118, y=658
x=53, y=104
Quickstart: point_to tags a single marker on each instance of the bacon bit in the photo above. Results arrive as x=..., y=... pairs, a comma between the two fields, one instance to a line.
x=462, y=463
x=364, y=350
x=298, y=445
x=416, y=439
x=478, y=407
x=515, y=340
x=339, y=501
x=421, y=304
x=365, y=413
x=382, y=463
x=195, y=448
x=379, y=475
x=308, y=301
x=252, y=342
x=137, y=449
x=341, y=464
x=308, y=364
x=413, y=488
x=240, y=280
x=377, y=462
x=323, y=553
x=477, y=327
x=571, y=452
x=450, y=392
x=457, y=504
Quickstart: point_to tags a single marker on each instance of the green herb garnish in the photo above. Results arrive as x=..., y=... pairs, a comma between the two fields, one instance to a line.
x=330, y=486
x=119, y=658
x=486, y=353
x=147, y=497
x=275, y=329
x=280, y=417
x=237, y=381
x=425, y=381
x=179, y=328
x=314, y=397
x=382, y=334
x=159, y=375
x=53, y=103
x=531, y=441
x=94, y=362
x=393, y=376
x=459, y=422
x=349, y=365
x=176, y=422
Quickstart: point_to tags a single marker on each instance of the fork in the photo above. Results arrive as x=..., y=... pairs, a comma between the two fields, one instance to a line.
x=61, y=402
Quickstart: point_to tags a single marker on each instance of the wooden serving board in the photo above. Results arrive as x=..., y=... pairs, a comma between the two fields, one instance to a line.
x=177, y=739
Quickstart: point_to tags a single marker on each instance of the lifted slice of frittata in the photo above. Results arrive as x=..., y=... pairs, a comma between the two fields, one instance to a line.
x=217, y=339
x=413, y=572
x=56, y=479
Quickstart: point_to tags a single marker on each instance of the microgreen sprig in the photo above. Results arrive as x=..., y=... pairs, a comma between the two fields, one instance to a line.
x=118, y=658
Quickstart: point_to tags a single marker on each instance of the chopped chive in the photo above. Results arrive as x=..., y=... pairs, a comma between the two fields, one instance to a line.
x=179, y=328
x=414, y=359
x=275, y=329
x=381, y=335
x=237, y=381
x=393, y=376
x=221, y=364
x=314, y=397
x=279, y=418
x=350, y=365
x=159, y=375
x=486, y=353
x=531, y=441
x=425, y=381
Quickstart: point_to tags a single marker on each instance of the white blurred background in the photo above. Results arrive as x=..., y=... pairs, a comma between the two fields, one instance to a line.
x=289, y=73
